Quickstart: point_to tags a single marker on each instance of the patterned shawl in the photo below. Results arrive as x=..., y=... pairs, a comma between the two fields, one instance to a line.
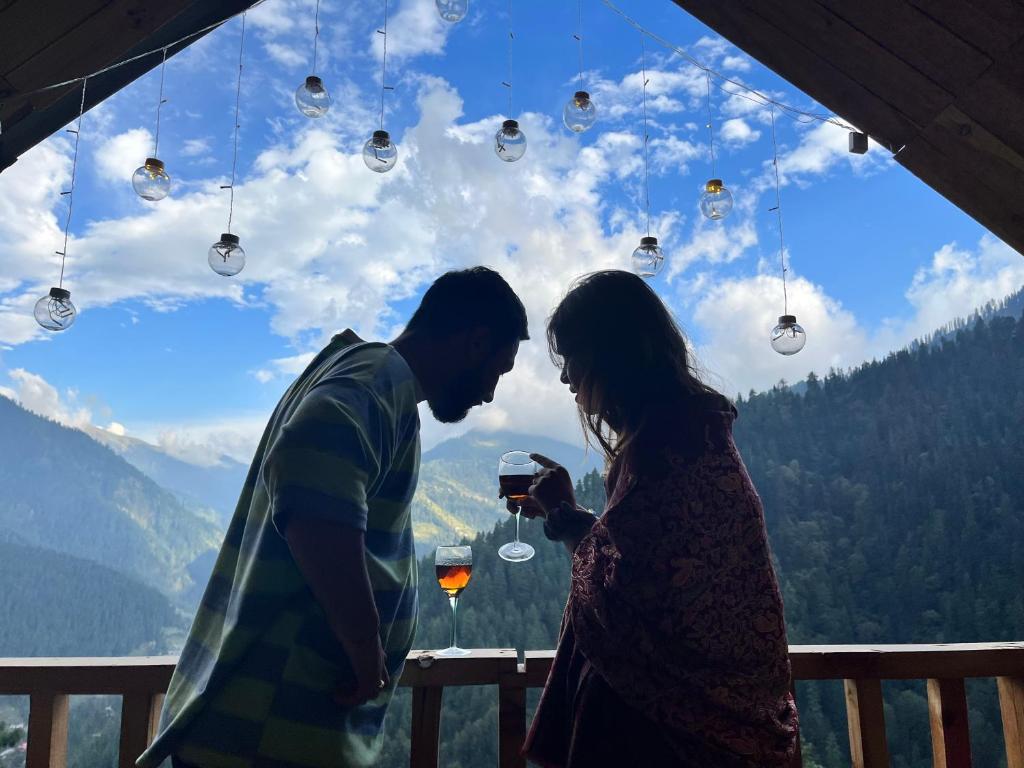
x=675, y=603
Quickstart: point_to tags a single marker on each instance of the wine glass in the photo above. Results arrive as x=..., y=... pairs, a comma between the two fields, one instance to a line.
x=454, y=566
x=515, y=476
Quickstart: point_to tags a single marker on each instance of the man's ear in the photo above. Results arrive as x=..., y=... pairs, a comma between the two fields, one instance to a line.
x=478, y=344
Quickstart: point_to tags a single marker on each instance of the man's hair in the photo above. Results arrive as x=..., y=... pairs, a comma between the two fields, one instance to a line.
x=464, y=299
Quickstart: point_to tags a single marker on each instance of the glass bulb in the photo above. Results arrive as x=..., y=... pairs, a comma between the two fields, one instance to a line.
x=579, y=113
x=55, y=312
x=716, y=201
x=648, y=258
x=510, y=142
x=150, y=181
x=379, y=153
x=788, y=338
x=452, y=11
x=312, y=98
x=227, y=257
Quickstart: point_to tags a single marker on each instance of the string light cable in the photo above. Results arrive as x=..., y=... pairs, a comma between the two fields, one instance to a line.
x=715, y=200
x=227, y=257
x=579, y=113
x=380, y=153
x=312, y=97
x=648, y=258
x=510, y=141
x=55, y=312
x=788, y=337
x=151, y=181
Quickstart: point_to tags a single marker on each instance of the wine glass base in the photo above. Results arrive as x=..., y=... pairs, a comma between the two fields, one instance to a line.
x=452, y=651
x=515, y=553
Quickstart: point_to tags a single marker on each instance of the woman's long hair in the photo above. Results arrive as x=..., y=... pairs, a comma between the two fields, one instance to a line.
x=630, y=353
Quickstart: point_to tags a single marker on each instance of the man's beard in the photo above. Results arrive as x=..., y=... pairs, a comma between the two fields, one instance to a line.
x=453, y=405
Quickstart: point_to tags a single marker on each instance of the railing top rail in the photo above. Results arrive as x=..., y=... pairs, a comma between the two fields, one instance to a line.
x=132, y=674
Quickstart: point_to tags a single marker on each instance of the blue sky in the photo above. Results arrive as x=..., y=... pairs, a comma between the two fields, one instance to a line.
x=168, y=351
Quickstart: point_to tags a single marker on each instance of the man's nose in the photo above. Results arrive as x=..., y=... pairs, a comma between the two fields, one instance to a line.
x=564, y=378
x=489, y=398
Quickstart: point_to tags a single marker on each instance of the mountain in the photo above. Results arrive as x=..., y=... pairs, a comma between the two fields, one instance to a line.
x=54, y=604
x=65, y=492
x=457, y=495
x=215, y=486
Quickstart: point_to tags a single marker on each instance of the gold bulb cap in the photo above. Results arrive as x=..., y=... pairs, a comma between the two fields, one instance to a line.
x=153, y=164
x=714, y=186
x=787, y=321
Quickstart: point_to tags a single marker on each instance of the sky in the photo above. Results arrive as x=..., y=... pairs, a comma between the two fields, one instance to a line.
x=168, y=351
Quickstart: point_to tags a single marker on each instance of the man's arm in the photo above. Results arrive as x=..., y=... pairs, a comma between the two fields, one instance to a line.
x=332, y=559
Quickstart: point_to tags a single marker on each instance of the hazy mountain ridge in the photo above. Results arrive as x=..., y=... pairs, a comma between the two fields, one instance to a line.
x=65, y=492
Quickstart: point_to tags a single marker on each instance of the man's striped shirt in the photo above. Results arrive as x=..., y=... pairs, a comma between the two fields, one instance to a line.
x=255, y=682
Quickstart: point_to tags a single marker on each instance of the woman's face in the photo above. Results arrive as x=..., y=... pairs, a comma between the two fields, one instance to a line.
x=572, y=375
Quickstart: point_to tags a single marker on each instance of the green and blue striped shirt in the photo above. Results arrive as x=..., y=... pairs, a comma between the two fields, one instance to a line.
x=254, y=686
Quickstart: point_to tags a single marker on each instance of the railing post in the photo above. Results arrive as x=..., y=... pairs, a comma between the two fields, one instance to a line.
x=1011, y=706
x=140, y=717
x=947, y=713
x=512, y=717
x=426, y=726
x=47, y=730
x=865, y=717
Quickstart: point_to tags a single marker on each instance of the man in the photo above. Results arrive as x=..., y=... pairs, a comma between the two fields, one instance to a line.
x=302, y=632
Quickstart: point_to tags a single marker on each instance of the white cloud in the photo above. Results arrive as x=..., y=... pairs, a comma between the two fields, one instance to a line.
x=195, y=147
x=124, y=151
x=736, y=131
x=414, y=29
x=207, y=443
x=35, y=394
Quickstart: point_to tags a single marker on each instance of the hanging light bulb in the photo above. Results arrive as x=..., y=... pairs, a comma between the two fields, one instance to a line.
x=227, y=257
x=312, y=98
x=510, y=142
x=716, y=201
x=55, y=312
x=579, y=113
x=648, y=258
x=452, y=11
x=788, y=337
x=379, y=153
x=150, y=181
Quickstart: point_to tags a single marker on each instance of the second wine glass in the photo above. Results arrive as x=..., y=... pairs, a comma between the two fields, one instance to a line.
x=454, y=566
x=515, y=476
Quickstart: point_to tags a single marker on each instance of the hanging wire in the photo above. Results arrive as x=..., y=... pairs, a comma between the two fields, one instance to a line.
x=778, y=213
x=579, y=38
x=316, y=34
x=508, y=83
x=238, y=100
x=159, y=104
x=744, y=91
x=71, y=192
x=384, y=64
x=647, y=176
x=711, y=130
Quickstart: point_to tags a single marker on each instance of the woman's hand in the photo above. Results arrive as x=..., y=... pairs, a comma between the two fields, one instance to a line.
x=552, y=485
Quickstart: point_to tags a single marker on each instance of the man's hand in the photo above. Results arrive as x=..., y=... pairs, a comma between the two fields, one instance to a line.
x=369, y=662
x=552, y=485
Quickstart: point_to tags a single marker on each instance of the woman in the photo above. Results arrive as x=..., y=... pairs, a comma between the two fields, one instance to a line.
x=673, y=646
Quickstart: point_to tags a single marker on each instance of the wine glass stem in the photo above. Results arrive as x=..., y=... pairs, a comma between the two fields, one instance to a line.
x=518, y=510
x=454, y=603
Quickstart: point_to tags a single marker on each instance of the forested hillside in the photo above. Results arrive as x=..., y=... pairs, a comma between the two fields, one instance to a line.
x=64, y=491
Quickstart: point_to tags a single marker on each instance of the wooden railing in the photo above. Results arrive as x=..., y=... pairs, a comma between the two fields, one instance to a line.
x=141, y=681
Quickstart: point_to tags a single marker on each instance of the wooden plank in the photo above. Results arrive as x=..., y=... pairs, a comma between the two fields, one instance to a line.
x=29, y=27
x=996, y=99
x=905, y=662
x=537, y=667
x=970, y=20
x=87, y=675
x=974, y=170
x=426, y=726
x=120, y=25
x=140, y=717
x=947, y=715
x=47, y=730
x=511, y=723
x=1011, y=708
x=933, y=50
x=777, y=48
x=865, y=718
x=483, y=666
